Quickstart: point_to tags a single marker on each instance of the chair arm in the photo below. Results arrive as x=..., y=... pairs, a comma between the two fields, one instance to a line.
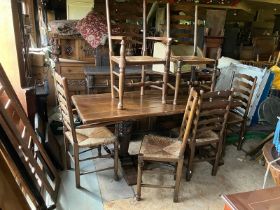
x=162, y=39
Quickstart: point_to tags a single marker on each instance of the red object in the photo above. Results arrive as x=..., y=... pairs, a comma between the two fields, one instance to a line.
x=227, y=207
x=234, y=2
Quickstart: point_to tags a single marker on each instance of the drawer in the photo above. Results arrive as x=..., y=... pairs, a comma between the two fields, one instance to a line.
x=72, y=72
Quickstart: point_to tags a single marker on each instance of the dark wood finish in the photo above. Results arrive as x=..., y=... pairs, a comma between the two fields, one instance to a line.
x=132, y=35
x=82, y=136
x=190, y=60
x=209, y=126
x=162, y=149
x=182, y=33
x=73, y=70
x=72, y=47
x=258, y=199
x=25, y=141
x=244, y=86
x=101, y=108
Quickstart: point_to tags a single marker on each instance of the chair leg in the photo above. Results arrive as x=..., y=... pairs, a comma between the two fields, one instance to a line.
x=116, y=160
x=177, y=84
x=190, y=163
x=121, y=88
x=139, y=178
x=217, y=159
x=164, y=85
x=112, y=76
x=178, y=179
x=241, y=135
x=143, y=75
x=99, y=151
x=67, y=158
x=77, y=166
x=224, y=141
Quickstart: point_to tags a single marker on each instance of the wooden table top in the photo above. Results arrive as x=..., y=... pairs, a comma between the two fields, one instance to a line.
x=255, y=200
x=192, y=60
x=101, y=108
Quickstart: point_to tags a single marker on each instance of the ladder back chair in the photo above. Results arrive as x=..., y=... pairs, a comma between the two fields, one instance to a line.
x=167, y=150
x=82, y=136
x=243, y=86
x=209, y=126
x=25, y=142
x=131, y=33
x=183, y=30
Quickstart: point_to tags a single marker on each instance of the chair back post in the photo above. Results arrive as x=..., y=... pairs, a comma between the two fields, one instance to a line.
x=144, y=47
x=108, y=17
x=63, y=98
x=168, y=20
x=188, y=120
x=227, y=114
x=196, y=117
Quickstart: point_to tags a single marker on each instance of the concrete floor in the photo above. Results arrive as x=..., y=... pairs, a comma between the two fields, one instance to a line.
x=100, y=191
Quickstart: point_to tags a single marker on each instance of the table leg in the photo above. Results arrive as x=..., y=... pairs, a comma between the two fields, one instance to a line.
x=128, y=162
x=177, y=83
x=123, y=132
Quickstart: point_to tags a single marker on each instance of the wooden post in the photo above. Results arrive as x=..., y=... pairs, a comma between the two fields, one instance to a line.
x=110, y=47
x=195, y=31
x=122, y=73
x=144, y=47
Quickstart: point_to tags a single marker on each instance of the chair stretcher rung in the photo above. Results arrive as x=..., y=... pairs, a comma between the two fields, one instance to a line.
x=89, y=172
x=158, y=186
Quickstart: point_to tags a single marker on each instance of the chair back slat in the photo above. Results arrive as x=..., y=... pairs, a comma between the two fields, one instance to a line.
x=182, y=29
x=243, y=86
x=22, y=136
x=212, y=113
x=188, y=119
x=65, y=104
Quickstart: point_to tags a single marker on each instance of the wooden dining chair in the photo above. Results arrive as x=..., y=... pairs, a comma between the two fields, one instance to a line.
x=208, y=128
x=128, y=34
x=167, y=150
x=243, y=86
x=82, y=136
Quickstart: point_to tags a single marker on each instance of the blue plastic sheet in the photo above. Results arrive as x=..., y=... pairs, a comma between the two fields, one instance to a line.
x=276, y=140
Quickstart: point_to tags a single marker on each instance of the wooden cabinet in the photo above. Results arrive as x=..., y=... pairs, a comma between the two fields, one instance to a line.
x=73, y=47
x=73, y=70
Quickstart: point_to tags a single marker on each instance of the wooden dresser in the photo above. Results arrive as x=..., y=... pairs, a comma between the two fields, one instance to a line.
x=73, y=70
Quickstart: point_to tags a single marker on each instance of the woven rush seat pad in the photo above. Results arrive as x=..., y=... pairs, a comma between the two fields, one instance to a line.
x=90, y=137
x=207, y=136
x=160, y=147
x=139, y=59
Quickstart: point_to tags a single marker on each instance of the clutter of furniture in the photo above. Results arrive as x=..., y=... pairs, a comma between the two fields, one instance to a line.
x=128, y=75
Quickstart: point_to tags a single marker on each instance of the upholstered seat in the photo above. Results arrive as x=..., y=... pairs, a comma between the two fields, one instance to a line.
x=160, y=147
x=91, y=137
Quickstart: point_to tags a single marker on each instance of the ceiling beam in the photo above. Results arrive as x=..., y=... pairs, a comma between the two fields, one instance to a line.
x=267, y=1
x=242, y=5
